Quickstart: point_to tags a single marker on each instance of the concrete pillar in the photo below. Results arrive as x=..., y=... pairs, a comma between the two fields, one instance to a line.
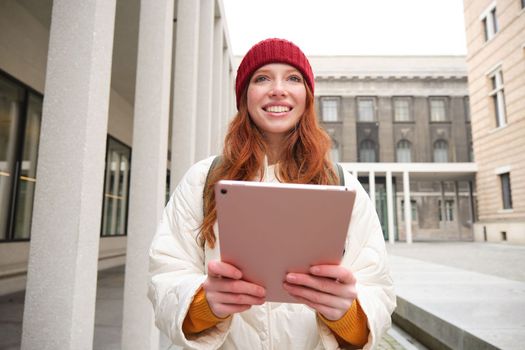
x=443, y=211
x=227, y=92
x=408, y=207
x=355, y=173
x=390, y=207
x=184, y=89
x=217, y=93
x=60, y=296
x=204, y=80
x=456, y=207
x=148, y=171
x=471, y=202
x=372, y=187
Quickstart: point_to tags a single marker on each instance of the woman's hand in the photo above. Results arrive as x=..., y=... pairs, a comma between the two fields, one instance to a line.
x=227, y=293
x=329, y=289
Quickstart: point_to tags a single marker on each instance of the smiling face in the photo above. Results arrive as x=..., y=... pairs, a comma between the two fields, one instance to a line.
x=276, y=99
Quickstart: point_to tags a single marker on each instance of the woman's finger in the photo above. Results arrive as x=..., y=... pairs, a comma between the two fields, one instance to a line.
x=234, y=286
x=222, y=269
x=237, y=299
x=318, y=297
x=336, y=272
x=330, y=313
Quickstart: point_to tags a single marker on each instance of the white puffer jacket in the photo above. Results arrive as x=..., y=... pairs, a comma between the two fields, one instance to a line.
x=178, y=266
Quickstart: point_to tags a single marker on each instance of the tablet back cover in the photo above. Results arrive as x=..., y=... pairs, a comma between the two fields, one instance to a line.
x=267, y=230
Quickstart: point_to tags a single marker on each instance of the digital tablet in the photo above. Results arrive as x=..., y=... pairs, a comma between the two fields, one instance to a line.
x=269, y=229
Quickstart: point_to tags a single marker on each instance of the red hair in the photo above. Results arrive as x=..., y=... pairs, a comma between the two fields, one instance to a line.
x=304, y=158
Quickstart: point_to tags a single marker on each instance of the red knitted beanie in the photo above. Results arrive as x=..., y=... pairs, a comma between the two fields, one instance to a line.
x=272, y=51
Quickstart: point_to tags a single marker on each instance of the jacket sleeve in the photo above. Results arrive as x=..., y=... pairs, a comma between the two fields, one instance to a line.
x=365, y=256
x=177, y=263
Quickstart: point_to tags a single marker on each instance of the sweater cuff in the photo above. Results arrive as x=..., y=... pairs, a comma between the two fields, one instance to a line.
x=352, y=327
x=200, y=317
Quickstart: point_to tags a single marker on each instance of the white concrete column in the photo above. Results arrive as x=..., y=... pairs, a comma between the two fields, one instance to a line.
x=204, y=80
x=184, y=89
x=233, y=100
x=456, y=207
x=355, y=173
x=471, y=202
x=227, y=92
x=218, y=93
x=60, y=296
x=390, y=207
x=148, y=170
x=408, y=207
x=372, y=187
x=443, y=211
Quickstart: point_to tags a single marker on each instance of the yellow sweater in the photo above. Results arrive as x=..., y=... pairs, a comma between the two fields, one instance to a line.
x=352, y=327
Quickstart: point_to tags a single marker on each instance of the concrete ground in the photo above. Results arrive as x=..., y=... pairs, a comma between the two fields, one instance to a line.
x=476, y=291
x=108, y=318
x=461, y=295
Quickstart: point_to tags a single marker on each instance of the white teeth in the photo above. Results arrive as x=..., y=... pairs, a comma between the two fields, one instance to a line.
x=277, y=109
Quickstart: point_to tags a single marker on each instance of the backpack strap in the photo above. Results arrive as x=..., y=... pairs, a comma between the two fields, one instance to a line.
x=341, y=174
x=213, y=165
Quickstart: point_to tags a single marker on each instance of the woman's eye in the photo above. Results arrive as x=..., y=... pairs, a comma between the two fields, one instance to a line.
x=296, y=78
x=260, y=78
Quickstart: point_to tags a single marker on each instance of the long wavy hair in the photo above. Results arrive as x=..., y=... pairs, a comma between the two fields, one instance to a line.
x=304, y=158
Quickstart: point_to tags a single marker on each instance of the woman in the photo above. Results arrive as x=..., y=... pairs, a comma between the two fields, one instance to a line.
x=203, y=303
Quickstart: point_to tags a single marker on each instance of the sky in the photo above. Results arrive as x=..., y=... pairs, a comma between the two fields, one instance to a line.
x=350, y=27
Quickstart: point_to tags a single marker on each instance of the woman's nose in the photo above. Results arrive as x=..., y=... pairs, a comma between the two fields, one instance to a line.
x=278, y=88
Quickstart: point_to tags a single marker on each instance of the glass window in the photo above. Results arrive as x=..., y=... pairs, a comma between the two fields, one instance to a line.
x=523, y=4
x=440, y=151
x=27, y=178
x=20, y=116
x=413, y=209
x=401, y=110
x=367, y=151
x=437, y=110
x=10, y=105
x=365, y=110
x=116, y=188
x=497, y=95
x=335, y=152
x=404, y=151
x=330, y=110
x=506, y=191
x=490, y=23
x=449, y=210
x=466, y=103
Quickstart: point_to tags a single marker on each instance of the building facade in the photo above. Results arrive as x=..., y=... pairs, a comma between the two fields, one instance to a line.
x=496, y=73
x=403, y=110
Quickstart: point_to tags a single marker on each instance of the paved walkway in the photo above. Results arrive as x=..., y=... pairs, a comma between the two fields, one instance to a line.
x=476, y=288
x=108, y=317
x=467, y=295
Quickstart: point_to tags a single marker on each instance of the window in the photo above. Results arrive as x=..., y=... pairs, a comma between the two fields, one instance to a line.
x=335, y=152
x=330, y=109
x=413, y=209
x=116, y=188
x=404, y=151
x=365, y=110
x=506, y=193
x=440, y=151
x=490, y=22
x=449, y=210
x=401, y=110
x=466, y=103
x=20, y=118
x=523, y=4
x=497, y=96
x=367, y=151
x=437, y=110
